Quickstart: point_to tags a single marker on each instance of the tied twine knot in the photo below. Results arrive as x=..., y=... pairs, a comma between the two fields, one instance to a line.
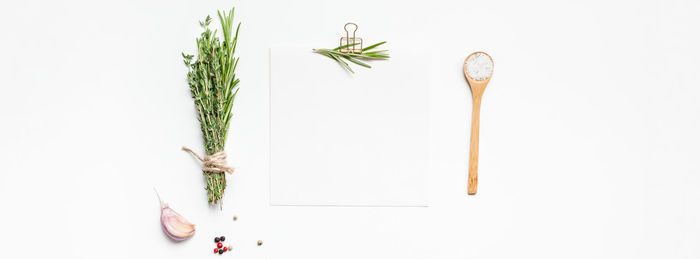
x=215, y=163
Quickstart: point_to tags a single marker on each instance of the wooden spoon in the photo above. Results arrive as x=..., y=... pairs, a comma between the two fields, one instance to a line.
x=483, y=75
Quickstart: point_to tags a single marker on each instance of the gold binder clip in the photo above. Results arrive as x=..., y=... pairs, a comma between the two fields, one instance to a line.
x=350, y=44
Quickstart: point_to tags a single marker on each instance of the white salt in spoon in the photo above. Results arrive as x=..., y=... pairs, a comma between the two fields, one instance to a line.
x=478, y=68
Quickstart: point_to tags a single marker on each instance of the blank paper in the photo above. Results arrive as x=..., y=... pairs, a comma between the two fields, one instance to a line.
x=342, y=139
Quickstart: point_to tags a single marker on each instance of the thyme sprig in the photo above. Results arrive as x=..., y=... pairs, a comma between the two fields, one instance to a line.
x=213, y=84
x=356, y=58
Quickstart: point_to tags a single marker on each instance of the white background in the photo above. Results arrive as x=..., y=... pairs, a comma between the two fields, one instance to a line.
x=588, y=138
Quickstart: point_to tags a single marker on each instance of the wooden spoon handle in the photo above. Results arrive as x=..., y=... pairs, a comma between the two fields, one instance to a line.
x=474, y=147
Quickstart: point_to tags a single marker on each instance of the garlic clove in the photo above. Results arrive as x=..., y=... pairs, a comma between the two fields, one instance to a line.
x=175, y=225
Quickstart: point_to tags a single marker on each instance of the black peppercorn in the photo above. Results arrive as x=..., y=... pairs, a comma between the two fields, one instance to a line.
x=216, y=240
x=221, y=251
x=222, y=238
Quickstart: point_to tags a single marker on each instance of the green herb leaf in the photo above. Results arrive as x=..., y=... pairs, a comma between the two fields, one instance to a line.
x=373, y=46
x=345, y=64
x=357, y=62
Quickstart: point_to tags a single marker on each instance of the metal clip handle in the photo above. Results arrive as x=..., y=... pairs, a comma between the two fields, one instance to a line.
x=354, y=39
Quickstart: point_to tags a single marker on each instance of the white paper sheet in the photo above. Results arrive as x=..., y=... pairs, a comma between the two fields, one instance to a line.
x=341, y=139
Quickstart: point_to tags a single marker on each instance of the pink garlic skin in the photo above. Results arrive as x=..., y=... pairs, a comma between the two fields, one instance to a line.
x=174, y=225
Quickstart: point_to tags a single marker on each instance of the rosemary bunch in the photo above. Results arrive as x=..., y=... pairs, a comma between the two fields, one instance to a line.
x=213, y=83
x=356, y=58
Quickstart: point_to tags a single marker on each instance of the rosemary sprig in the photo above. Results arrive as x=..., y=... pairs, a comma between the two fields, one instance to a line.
x=338, y=56
x=213, y=84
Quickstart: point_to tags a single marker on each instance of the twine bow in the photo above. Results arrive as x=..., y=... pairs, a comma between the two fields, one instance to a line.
x=215, y=163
